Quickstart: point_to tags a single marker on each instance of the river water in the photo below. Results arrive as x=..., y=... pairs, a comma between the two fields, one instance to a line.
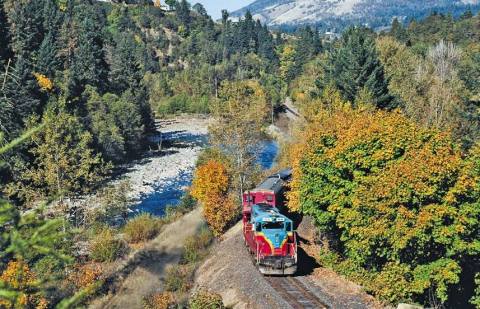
x=170, y=192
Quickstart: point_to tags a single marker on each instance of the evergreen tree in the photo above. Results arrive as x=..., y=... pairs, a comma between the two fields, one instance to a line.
x=125, y=69
x=398, y=31
x=183, y=13
x=266, y=46
x=89, y=66
x=355, y=67
x=47, y=56
x=4, y=36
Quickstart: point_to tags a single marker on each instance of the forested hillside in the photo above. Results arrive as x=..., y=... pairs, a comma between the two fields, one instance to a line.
x=387, y=160
x=385, y=157
x=336, y=15
x=81, y=84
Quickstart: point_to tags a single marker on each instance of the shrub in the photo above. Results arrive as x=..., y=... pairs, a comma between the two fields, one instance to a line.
x=206, y=300
x=179, y=278
x=19, y=277
x=142, y=228
x=105, y=247
x=86, y=275
x=162, y=300
x=195, y=246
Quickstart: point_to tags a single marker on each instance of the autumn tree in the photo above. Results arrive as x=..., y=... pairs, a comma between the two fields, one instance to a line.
x=392, y=200
x=210, y=187
x=239, y=116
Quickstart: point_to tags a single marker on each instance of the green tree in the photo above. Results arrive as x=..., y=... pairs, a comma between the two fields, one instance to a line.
x=393, y=201
x=239, y=116
x=25, y=238
x=89, y=66
x=64, y=164
x=4, y=35
x=355, y=65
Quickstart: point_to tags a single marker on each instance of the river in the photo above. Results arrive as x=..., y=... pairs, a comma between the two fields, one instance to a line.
x=168, y=191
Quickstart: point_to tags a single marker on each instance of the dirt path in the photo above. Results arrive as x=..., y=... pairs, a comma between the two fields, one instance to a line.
x=146, y=270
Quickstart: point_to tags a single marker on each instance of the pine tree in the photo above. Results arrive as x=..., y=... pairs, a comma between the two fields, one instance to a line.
x=125, y=69
x=47, y=56
x=183, y=13
x=355, y=66
x=398, y=31
x=266, y=46
x=89, y=66
x=5, y=53
x=24, y=238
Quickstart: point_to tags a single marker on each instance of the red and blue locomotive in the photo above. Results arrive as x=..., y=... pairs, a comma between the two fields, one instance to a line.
x=268, y=234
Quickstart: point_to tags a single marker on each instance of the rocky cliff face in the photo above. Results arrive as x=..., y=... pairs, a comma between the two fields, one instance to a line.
x=340, y=13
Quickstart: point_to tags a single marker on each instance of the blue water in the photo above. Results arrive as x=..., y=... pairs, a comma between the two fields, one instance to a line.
x=171, y=192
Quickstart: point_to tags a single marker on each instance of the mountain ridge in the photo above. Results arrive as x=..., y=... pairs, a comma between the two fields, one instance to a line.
x=338, y=14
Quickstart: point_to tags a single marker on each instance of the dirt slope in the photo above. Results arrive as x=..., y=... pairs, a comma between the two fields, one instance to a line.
x=145, y=272
x=230, y=272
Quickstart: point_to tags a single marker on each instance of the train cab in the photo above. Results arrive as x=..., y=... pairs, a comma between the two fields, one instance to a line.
x=270, y=236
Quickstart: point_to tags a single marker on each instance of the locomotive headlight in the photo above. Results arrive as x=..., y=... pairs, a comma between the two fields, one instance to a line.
x=267, y=219
x=280, y=219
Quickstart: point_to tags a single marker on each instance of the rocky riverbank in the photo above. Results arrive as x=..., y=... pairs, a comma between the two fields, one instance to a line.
x=161, y=177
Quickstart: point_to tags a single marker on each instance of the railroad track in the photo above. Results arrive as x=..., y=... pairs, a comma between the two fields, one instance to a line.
x=295, y=293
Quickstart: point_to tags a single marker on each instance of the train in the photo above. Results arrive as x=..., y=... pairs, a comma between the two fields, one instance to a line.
x=268, y=234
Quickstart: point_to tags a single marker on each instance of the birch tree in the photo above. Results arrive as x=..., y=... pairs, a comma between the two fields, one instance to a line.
x=239, y=116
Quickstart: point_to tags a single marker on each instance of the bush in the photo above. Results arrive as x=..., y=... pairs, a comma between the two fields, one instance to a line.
x=142, y=228
x=184, y=104
x=196, y=246
x=105, y=247
x=179, y=278
x=162, y=300
x=86, y=275
x=206, y=300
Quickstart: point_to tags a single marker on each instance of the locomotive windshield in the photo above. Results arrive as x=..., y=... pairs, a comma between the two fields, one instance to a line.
x=272, y=226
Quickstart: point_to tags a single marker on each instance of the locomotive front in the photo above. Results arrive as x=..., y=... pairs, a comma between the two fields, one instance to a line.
x=274, y=241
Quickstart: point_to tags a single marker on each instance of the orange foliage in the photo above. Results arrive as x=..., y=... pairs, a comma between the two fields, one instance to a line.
x=162, y=300
x=210, y=187
x=20, y=278
x=210, y=179
x=86, y=275
x=219, y=211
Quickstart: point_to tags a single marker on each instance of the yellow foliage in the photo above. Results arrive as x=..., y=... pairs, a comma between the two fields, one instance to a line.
x=219, y=211
x=86, y=275
x=44, y=82
x=210, y=186
x=210, y=179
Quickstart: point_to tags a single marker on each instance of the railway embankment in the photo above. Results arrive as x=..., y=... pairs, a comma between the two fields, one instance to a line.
x=230, y=272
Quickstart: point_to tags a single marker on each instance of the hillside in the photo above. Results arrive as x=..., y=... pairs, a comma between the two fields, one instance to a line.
x=336, y=14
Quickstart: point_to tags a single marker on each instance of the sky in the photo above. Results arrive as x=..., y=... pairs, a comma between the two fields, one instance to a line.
x=214, y=7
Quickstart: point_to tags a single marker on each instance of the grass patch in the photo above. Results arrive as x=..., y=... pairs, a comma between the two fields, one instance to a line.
x=105, y=247
x=196, y=247
x=142, y=228
x=179, y=278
